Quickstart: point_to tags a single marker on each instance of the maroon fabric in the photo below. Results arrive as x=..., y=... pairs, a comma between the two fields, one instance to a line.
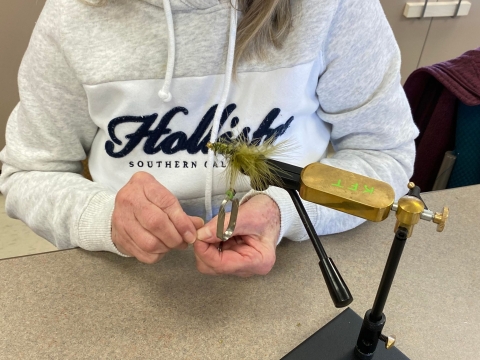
x=433, y=92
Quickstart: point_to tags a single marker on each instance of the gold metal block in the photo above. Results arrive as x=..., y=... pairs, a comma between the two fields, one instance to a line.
x=346, y=191
x=409, y=210
x=408, y=213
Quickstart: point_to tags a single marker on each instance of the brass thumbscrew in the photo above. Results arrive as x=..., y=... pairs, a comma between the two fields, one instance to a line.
x=388, y=340
x=440, y=219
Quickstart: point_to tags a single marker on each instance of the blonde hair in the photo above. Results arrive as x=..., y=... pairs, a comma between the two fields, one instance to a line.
x=264, y=23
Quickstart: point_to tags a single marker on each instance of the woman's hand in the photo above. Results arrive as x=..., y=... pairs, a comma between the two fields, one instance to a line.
x=251, y=250
x=148, y=220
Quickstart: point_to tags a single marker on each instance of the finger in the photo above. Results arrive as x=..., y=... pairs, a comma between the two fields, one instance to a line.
x=232, y=244
x=155, y=221
x=130, y=247
x=238, y=257
x=197, y=221
x=208, y=232
x=182, y=246
x=133, y=207
x=142, y=238
x=165, y=200
x=245, y=259
x=208, y=270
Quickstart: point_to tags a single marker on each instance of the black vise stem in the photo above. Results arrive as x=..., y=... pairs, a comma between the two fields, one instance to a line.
x=290, y=176
x=337, y=288
x=374, y=319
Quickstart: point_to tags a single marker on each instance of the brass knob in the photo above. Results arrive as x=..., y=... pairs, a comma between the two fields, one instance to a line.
x=441, y=219
x=411, y=185
x=388, y=340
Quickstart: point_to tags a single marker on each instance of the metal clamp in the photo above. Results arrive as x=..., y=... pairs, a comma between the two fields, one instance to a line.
x=227, y=234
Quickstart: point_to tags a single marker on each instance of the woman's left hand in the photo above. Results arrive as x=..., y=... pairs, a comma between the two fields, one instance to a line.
x=251, y=249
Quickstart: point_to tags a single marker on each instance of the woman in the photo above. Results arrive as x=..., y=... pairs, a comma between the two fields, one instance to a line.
x=142, y=86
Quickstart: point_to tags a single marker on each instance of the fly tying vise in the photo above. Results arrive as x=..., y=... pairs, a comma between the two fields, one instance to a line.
x=249, y=158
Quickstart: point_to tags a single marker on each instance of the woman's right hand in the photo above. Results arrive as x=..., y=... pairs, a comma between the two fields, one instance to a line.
x=148, y=220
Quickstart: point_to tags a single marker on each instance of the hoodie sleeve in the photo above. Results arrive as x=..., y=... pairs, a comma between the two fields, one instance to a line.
x=360, y=95
x=48, y=134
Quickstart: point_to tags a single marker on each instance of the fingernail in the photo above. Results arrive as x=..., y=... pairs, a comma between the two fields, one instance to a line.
x=204, y=233
x=189, y=237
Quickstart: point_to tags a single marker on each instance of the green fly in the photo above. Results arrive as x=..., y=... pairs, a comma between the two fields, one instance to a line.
x=249, y=158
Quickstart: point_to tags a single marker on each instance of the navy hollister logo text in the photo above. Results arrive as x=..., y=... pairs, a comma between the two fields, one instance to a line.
x=162, y=139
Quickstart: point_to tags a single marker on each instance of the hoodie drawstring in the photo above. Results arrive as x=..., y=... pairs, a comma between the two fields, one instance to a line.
x=166, y=96
x=221, y=106
x=164, y=93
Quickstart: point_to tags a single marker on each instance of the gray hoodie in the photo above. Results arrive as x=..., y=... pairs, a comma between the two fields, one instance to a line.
x=135, y=87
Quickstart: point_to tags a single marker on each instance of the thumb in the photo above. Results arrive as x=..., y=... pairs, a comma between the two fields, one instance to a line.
x=197, y=221
x=208, y=233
